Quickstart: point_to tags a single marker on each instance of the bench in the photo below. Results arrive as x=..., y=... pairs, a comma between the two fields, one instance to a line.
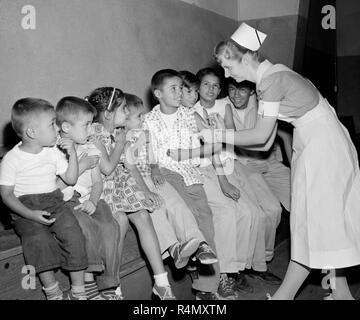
x=12, y=263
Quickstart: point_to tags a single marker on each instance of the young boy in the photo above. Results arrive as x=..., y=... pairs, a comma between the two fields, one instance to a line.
x=50, y=234
x=242, y=98
x=247, y=180
x=74, y=117
x=176, y=227
x=174, y=126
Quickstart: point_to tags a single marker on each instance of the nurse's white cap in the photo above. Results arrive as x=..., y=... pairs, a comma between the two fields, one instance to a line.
x=248, y=37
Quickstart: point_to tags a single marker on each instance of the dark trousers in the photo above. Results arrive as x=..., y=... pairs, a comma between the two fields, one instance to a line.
x=102, y=234
x=62, y=244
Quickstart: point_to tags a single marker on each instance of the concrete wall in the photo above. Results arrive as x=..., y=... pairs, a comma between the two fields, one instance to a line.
x=82, y=44
x=348, y=60
x=227, y=8
x=259, y=9
x=285, y=23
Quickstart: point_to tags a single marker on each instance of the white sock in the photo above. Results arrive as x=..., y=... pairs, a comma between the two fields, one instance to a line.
x=78, y=289
x=161, y=279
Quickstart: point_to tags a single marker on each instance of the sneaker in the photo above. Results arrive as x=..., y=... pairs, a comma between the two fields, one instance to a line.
x=57, y=297
x=202, y=295
x=266, y=276
x=183, y=251
x=113, y=294
x=226, y=287
x=205, y=254
x=164, y=293
x=69, y=295
x=241, y=284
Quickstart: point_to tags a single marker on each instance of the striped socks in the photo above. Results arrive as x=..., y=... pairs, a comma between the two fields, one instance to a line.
x=92, y=291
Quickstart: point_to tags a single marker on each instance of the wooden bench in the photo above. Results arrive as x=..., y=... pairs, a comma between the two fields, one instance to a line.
x=12, y=263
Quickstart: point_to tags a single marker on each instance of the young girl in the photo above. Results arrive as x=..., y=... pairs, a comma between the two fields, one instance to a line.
x=121, y=190
x=325, y=177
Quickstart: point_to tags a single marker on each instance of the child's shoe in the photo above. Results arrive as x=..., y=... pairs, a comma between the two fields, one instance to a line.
x=241, y=284
x=182, y=252
x=205, y=254
x=113, y=294
x=203, y=295
x=164, y=293
x=265, y=276
x=69, y=295
x=226, y=287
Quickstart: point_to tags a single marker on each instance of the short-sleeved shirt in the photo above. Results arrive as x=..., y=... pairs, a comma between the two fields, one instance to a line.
x=84, y=183
x=277, y=83
x=219, y=107
x=32, y=173
x=180, y=135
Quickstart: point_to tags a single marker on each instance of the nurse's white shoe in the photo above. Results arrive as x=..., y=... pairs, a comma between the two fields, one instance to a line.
x=328, y=296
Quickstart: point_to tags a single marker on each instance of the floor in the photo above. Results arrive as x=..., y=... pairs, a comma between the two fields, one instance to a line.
x=312, y=288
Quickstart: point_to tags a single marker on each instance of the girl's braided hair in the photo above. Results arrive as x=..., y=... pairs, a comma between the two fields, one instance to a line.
x=106, y=99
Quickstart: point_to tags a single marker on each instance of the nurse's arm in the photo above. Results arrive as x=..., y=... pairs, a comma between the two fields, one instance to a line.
x=260, y=137
x=268, y=144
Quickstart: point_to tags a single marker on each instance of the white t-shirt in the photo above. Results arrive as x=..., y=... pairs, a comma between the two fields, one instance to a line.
x=169, y=119
x=84, y=182
x=32, y=173
x=228, y=155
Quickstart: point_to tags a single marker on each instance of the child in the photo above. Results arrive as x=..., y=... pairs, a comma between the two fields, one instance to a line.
x=121, y=190
x=74, y=117
x=232, y=182
x=174, y=126
x=180, y=224
x=50, y=235
x=190, y=89
x=244, y=107
x=253, y=181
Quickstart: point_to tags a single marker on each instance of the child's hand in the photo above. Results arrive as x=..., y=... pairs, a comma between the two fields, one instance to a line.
x=154, y=198
x=218, y=121
x=88, y=162
x=67, y=145
x=157, y=177
x=230, y=190
x=87, y=206
x=120, y=136
x=42, y=217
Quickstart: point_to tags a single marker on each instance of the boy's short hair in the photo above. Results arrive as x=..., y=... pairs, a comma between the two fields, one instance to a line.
x=70, y=108
x=189, y=79
x=158, y=79
x=206, y=71
x=27, y=108
x=243, y=84
x=133, y=100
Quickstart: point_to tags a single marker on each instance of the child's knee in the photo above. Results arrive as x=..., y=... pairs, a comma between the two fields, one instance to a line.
x=141, y=216
x=121, y=218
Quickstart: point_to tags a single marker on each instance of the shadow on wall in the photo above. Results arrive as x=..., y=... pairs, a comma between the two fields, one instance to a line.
x=10, y=138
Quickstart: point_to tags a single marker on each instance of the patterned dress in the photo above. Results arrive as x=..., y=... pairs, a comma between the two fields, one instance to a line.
x=121, y=191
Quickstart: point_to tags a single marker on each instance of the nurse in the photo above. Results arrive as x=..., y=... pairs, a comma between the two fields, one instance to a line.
x=325, y=203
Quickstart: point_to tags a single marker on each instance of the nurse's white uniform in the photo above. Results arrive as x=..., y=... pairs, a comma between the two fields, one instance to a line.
x=325, y=178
